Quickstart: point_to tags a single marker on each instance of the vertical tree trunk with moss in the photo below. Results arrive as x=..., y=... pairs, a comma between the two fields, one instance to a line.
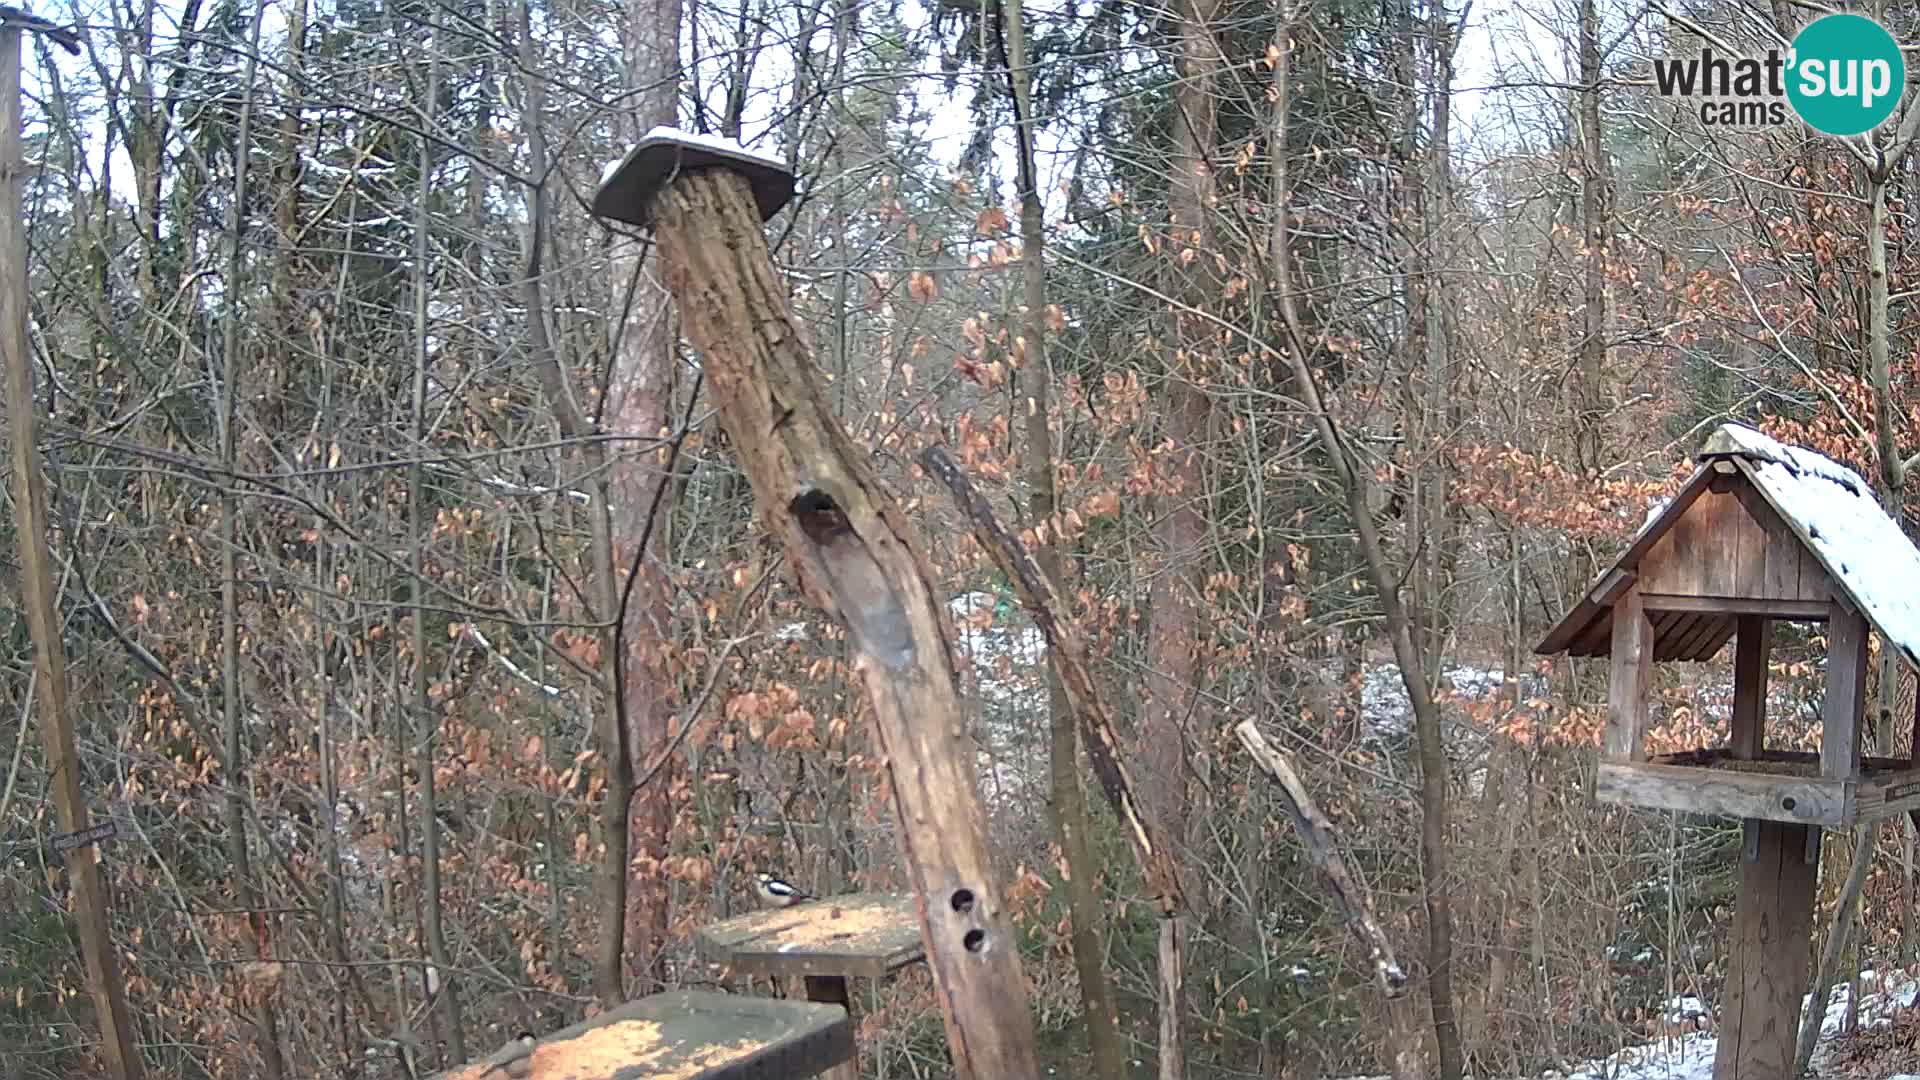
x=1036, y=379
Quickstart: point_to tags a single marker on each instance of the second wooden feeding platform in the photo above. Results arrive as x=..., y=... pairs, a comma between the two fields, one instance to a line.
x=1761, y=533
x=825, y=943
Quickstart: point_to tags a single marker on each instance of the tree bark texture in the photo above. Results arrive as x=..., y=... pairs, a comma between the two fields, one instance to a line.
x=1173, y=631
x=640, y=486
x=856, y=558
x=1063, y=750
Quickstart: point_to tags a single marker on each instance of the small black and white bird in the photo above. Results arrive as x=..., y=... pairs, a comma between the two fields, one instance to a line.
x=775, y=893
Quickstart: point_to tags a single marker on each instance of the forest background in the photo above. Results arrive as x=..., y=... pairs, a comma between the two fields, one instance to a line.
x=388, y=510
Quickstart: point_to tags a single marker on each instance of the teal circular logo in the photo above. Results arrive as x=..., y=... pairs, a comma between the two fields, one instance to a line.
x=1846, y=74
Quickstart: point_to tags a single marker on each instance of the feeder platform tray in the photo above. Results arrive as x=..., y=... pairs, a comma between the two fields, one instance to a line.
x=1775, y=786
x=858, y=936
x=684, y=1035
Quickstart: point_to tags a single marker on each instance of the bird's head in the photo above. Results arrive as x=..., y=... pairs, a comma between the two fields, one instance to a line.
x=764, y=878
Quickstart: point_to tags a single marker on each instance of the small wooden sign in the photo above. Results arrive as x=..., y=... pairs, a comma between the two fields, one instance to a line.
x=106, y=830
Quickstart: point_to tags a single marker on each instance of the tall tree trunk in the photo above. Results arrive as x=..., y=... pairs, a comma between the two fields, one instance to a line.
x=39, y=595
x=234, y=776
x=611, y=889
x=1036, y=378
x=1356, y=480
x=642, y=502
x=327, y=643
x=425, y=712
x=641, y=489
x=1596, y=233
x=1437, y=552
x=1181, y=532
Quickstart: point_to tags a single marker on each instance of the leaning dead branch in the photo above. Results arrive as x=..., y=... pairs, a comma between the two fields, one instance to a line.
x=1316, y=834
x=1069, y=653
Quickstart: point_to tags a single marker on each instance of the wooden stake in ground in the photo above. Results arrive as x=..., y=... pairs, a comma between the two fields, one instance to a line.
x=854, y=556
x=36, y=577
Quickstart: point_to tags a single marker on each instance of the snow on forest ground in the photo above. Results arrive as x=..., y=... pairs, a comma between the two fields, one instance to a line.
x=1690, y=1057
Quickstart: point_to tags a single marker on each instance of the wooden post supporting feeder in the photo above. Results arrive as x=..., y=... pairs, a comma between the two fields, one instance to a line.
x=853, y=554
x=1761, y=533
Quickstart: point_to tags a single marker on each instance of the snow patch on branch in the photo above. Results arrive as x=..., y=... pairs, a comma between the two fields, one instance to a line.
x=473, y=634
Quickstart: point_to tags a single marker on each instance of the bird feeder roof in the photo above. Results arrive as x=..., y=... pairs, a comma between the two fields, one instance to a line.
x=628, y=186
x=1827, y=511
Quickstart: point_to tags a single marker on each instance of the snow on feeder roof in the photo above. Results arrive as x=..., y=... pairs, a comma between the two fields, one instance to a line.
x=1789, y=529
x=627, y=187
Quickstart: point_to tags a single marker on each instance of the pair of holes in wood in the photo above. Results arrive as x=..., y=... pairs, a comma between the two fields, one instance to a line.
x=975, y=939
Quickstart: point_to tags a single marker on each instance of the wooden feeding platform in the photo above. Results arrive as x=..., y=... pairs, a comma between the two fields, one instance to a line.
x=1761, y=533
x=863, y=936
x=824, y=943
x=683, y=1035
x=1776, y=785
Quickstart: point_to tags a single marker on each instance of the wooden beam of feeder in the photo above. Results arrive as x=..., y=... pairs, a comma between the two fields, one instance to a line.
x=855, y=558
x=1316, y=835
x=1068, y=652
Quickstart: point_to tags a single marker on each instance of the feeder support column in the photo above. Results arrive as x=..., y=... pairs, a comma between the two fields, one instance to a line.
x=853, y=554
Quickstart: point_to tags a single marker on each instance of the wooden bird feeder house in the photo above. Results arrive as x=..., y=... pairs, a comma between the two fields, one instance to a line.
x=1761, y=533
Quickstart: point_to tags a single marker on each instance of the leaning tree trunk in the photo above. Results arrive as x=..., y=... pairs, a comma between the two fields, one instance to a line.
x=40, y=600
x=1356, y=485
x=856, y=558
